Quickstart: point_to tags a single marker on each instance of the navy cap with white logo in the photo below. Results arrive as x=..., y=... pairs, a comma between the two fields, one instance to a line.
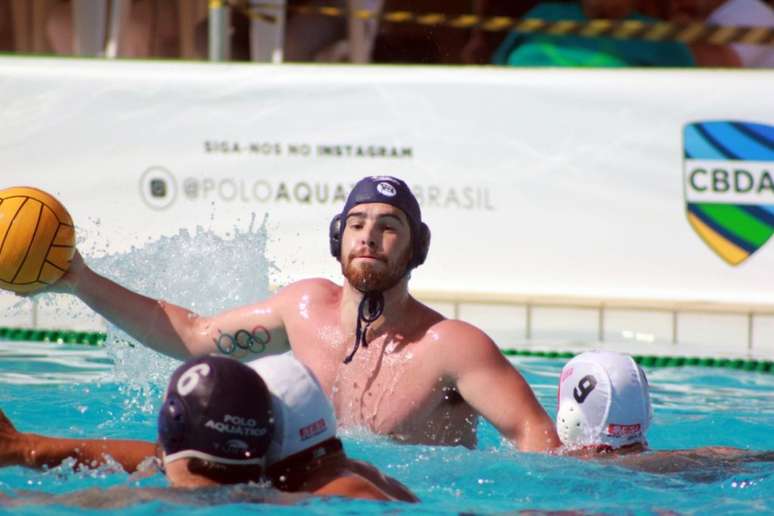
x=387, y=190
x=216, y=409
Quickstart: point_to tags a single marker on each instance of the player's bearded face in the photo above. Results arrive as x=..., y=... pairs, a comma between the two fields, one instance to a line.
x=368, y=276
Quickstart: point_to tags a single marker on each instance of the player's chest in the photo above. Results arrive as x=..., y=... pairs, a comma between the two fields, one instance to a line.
x=380, y=390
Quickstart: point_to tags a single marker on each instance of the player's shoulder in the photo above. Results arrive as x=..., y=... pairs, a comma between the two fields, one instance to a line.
x=434, y=323
x=457, y=330
x=462, y=340
x=312, y=288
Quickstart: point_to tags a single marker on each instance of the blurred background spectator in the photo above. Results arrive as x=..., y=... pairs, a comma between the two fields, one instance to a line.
x=179, y=28
x=412, y=43
x=569, y=50
x=308, y=37
x=151, y=30
x=726, y=12
x=6, y=31
x=481, y=44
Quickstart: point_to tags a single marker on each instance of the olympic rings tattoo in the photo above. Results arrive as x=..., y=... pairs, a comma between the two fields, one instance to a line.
x=254, y=341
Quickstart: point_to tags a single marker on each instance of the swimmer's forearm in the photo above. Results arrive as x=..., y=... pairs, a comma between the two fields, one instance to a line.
x=389, y=485
x=539, y=437
x=496, y=390
x=41, y=451
x=536, y=431
x=156, y=324
x=353, y=487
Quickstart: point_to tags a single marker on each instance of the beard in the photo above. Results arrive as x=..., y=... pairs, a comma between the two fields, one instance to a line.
x=369, y=277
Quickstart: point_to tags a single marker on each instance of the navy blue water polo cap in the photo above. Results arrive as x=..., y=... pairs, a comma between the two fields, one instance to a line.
x=216, y=409
x=388, y=190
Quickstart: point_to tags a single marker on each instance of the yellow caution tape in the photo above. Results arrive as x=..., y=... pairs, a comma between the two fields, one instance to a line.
x=617, y=29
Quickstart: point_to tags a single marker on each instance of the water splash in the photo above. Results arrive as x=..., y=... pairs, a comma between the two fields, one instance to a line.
x=202, y=271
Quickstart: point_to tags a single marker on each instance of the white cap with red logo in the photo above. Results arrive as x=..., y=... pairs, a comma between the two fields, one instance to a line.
x=303, y=414
x=603, y=400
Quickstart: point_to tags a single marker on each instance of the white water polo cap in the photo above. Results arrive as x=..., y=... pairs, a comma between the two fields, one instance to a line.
x=303, y=414
x=603, y=400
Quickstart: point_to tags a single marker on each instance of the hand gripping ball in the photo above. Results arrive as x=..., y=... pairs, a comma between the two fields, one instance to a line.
x=37, y=239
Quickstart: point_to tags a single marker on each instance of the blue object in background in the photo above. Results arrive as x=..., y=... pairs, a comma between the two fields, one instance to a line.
x=521, y=49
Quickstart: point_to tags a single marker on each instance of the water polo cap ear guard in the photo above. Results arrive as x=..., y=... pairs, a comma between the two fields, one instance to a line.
x=334, y=236
x=571, y=426
x=172, y=424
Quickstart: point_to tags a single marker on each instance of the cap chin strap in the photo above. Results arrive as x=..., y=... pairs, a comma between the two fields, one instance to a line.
x=369, y=310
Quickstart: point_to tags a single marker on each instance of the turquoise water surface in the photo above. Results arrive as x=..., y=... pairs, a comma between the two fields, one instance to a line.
x=77, y=391
x=115, y=390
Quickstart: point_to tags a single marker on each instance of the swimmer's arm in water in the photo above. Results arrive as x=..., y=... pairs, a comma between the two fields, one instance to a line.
x=386, y=483
x=677, y=461
x=39, y=451
x=174, y=330
x=495, y=389
x=119, y=497
x=352, y=486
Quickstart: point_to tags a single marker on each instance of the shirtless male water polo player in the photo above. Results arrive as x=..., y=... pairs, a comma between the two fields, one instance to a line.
x=389, y=363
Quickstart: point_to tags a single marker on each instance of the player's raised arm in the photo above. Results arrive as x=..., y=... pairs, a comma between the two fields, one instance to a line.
x=496, y=390
x=174, y=330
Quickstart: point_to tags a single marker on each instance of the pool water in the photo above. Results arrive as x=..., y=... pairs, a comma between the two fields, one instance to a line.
x=114, y=391
x=103, y=392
